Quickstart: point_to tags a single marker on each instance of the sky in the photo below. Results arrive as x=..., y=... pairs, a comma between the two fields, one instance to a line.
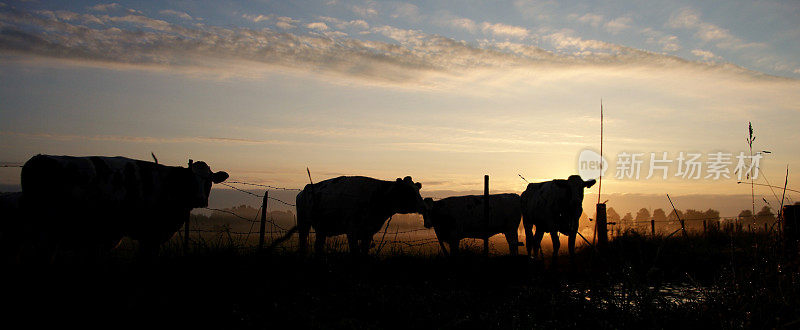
x=443, y=91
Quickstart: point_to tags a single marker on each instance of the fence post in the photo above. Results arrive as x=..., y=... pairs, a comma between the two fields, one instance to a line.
x=653, y=227
x=602, y=231
x=263, y=221
x=486, y=216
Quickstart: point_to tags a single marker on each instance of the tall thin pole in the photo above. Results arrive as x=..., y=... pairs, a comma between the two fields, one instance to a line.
x=600, y=181
x=750, y=140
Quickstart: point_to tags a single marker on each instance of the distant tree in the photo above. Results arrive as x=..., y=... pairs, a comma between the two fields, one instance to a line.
x=673, y=216
x=746, y=216
x=612, y=215
x=693, y=219
x=765, y=216
x=659, y=215
x=711, y=215
x=643, y=215
x=627, y=219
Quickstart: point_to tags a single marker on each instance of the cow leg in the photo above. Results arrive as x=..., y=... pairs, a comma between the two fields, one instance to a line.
x=366, y=243
x=556, y=243
x=534, y=243
x=486, y=247
x=454, y=247
x=529, y=240
x=441, y=242
x=571, y=245
x=319, y=244
x=352, y=243
x=302, y=243
x=444, y=250
x=513, y=242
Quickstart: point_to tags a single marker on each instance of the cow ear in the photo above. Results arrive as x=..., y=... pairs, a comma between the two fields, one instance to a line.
x=419, y=185
x=589, y=184
x=219, y=177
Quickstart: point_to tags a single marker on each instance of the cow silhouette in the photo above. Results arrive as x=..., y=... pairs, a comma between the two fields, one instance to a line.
x=553, y=207
x=356, y=206
x=455, y=218
x=90, y=203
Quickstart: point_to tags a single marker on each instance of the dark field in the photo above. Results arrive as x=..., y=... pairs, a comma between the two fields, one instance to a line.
x=718, y=280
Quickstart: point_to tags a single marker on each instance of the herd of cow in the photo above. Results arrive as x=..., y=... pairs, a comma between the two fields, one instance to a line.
x=87, y=204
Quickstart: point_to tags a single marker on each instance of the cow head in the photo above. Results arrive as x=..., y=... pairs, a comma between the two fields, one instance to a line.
x=573, y=199
x=404, y=196
x=427, y=217
x=202, y=178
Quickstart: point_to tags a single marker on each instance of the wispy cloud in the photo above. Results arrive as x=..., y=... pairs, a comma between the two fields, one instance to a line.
x=618, y=25
x=257, y=18
x=138, y=40
x=504, y=30
x=705, y=55
x=105, y=6
x=178, y=14
x=689, y=19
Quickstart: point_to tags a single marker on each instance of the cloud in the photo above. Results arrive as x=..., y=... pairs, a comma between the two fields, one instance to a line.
x=617, y=25
x=257, y=18
x=413, y=58
x=504, y=30
x=367, y=10
x=706, y=55
x=317, y=26
x=342, y=25
x=667, y=43
x=689, y=19
x=463, y=23
x=286, y=23
x=178, y=14
x=591, y=19
x=405, y=10
x=105, y=7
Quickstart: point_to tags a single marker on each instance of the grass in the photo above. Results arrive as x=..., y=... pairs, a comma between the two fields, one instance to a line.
x=720, y=280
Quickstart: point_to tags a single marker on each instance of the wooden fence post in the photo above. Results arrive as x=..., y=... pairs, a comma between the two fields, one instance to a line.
x=653, y=227
x=263, y=221
x=486, y=215
x=602, y=231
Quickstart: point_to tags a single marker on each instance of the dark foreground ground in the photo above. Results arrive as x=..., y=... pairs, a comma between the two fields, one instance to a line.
x=718, y=280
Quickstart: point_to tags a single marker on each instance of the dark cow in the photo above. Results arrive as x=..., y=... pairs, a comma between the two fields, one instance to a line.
x=92, y=202
x=454, y=218
x=553, y=206
x=353, y=205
